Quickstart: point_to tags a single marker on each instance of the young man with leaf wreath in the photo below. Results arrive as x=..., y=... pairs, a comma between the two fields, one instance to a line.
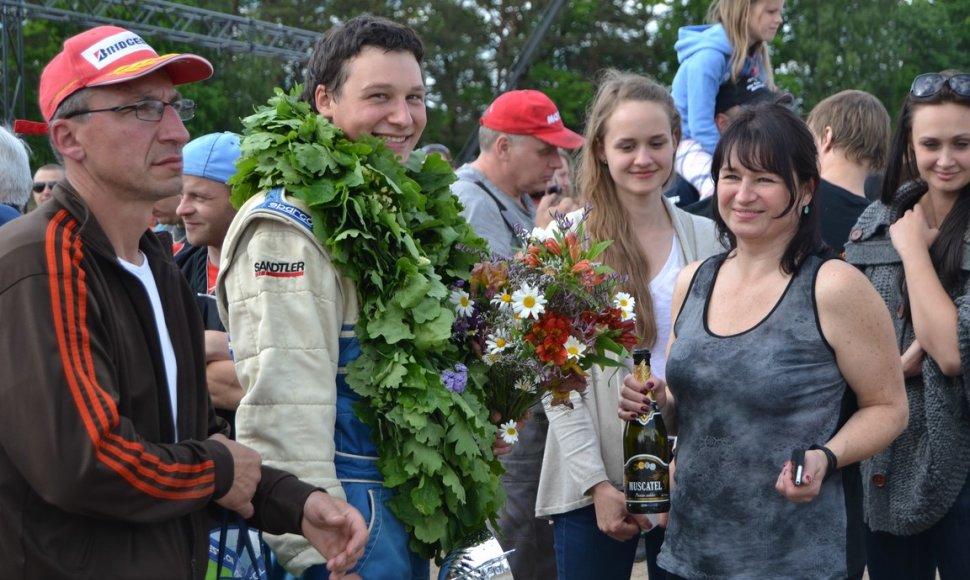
x=333, y=290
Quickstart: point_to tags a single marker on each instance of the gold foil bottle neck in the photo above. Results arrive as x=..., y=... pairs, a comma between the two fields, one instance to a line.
x=641, y=364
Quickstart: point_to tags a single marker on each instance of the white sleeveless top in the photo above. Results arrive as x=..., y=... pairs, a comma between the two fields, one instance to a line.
x=662, y=293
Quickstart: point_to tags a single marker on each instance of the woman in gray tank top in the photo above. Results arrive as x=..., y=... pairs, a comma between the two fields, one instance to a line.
x=775, y=348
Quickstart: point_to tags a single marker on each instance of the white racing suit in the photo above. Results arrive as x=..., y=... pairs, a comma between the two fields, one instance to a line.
x=291, y=318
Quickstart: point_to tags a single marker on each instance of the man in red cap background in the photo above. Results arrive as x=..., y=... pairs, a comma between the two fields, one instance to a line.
x=110, y=453
x=520, y=136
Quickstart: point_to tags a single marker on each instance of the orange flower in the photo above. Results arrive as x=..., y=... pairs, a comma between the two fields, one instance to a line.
x=581, y=266
x=553, y=246
x=572, y=245
x=489, y=275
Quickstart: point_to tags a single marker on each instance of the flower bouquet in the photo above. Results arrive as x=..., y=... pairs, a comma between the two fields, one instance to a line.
x=539, y=320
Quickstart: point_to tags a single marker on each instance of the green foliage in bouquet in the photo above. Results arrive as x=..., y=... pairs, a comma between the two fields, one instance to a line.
x=395, y=230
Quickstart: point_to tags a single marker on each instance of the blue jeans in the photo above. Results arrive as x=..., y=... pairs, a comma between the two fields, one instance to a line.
x=945, y=546
x=386, y=556
x=583, y=552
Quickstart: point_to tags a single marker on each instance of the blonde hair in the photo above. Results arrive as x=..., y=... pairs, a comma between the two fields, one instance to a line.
x=859, y=123
x=733, y=15
x=607, y=218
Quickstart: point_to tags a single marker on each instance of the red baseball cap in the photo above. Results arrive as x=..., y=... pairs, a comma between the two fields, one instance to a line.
x=108, y=55
x=530, y=113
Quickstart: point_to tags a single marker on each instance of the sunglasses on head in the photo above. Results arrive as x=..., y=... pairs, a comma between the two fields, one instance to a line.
x=930, y=84
x=39, y=186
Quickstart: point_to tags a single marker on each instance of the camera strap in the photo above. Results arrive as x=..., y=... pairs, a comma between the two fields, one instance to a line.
x=501, y=207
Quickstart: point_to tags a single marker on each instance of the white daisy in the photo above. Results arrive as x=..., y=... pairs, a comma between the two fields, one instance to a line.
x=496, y=343
x=524, y=385
x=503, y=301
x=624, y=302
x=540, y=235
x=575, y=350
x=509, y=432
x=528, y=302
x=463, y=303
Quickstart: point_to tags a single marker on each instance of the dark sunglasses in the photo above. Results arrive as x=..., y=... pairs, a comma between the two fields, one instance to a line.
x=929, y=84
x=39, y=186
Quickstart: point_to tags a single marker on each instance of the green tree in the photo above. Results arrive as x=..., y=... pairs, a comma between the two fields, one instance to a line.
x=471, y=45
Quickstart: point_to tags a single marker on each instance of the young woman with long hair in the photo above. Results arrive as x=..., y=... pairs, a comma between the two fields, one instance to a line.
x=632, y=131
x=912, y=244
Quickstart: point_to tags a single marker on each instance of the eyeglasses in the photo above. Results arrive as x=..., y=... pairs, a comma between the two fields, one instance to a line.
x=147, y=110
x=39, y=186
x=929, y=84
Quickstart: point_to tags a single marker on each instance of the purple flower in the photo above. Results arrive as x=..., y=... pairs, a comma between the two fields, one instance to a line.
x=455, y=380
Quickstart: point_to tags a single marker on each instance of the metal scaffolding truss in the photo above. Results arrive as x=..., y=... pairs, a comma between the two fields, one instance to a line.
x=154, y=18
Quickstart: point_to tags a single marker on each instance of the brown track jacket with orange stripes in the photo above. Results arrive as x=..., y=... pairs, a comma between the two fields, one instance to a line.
x=92, y=484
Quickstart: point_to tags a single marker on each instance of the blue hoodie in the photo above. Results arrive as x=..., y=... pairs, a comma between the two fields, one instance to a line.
x=704, y=53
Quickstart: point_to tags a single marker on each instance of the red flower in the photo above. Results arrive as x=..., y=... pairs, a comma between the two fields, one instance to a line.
x=549, y=334
x=623, y=332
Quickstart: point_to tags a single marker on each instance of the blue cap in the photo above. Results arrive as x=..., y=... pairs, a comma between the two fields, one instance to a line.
x=212, y=156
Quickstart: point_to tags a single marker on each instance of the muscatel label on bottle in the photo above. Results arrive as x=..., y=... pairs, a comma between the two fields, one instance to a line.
x=645, y=479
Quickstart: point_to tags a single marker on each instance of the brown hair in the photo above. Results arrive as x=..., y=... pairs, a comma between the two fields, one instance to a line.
x=733, y=15
x=859, y=123
x=946, y=251
x=607, y=219
x=332, y=52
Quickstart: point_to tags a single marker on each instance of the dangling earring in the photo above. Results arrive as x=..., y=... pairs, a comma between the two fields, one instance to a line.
x=805, y=210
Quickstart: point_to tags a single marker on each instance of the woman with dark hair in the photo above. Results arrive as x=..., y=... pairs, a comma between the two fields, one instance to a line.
x=912, y=246
x=775, y=349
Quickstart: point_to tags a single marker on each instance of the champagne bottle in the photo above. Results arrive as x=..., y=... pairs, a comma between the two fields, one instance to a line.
x=646, y=472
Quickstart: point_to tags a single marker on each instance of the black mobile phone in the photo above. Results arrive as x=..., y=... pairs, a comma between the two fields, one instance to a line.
x=798, y=465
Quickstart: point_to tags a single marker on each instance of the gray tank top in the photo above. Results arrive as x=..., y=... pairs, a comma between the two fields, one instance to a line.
x=743, y=403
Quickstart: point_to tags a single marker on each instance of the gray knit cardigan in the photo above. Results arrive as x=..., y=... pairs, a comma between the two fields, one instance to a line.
x=911, y=485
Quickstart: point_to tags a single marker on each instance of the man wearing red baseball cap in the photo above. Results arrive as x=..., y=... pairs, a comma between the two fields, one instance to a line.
x=110, y=453
x=520, y=138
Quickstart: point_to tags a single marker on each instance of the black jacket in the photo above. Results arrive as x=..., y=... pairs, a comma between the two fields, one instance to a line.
x=92, y=481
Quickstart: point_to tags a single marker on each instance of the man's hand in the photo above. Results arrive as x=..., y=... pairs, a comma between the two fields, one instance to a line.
x=223, y=383
x=245, y=477
x=216, y=346
x=336, y=530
